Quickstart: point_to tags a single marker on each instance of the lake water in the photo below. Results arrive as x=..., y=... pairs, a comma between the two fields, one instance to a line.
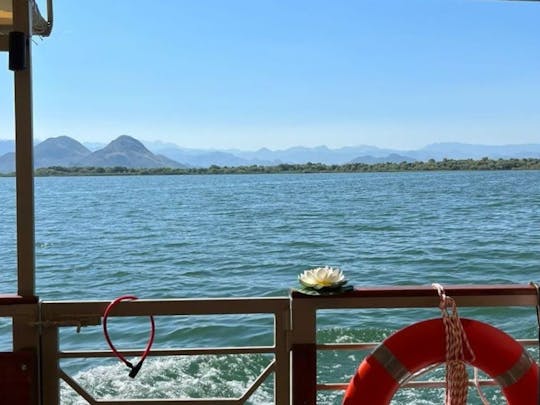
x=251, y=235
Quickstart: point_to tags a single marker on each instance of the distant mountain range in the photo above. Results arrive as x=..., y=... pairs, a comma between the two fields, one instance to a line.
x=322, y=154
x=128, y=152
x=65, y=151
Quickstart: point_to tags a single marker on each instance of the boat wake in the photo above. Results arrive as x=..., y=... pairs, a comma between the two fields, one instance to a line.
x=176, y=377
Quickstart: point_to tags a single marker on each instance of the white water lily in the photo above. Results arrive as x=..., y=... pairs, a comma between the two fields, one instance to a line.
x=322, y=277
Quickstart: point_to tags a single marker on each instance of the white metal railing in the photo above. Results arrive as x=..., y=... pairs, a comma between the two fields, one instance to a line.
x=294, y=333
x=61, y=314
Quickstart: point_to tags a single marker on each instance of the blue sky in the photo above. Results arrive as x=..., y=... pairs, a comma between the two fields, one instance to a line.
x=248, y=74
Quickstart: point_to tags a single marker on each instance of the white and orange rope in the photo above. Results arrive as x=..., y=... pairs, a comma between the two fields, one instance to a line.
x=457, y=378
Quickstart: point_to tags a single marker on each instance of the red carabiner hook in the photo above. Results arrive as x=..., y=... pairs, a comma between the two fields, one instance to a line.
x=134, y=368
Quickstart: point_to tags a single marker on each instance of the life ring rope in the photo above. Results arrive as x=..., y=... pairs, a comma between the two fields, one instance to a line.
x=457, y=378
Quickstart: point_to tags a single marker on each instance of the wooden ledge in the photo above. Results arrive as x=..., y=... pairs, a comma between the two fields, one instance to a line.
x=14, y=299
x=427, y=291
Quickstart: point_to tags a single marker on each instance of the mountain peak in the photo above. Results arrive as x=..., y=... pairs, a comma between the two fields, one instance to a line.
x=127, y=151
x=124, y=142
x=62, y=141
x=59, y=151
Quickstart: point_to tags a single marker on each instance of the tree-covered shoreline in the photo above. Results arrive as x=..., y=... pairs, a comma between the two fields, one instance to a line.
x=484, y=164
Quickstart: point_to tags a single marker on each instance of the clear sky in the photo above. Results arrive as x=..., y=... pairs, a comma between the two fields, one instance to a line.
x=254, y=73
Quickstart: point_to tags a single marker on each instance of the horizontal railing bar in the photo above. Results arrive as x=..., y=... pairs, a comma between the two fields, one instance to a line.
x=347, y=346
x=528, y=342
x=350, y=302
x=366, y=297
x=14, y=299
x=427, y=290
x=372, y=345
x=441, y=384
x=205, y=401
x=62, y=310
x=332, y=387
x=71, y=354
x=373, y=297
x=424, y=296
x=9, y=311
x=410, y=384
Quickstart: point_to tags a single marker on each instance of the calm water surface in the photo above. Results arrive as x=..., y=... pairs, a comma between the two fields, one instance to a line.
x=251, y=235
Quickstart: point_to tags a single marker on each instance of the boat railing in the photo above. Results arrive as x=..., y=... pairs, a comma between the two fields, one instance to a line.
x=56, y=315
x=304, y=308
x=292, y=356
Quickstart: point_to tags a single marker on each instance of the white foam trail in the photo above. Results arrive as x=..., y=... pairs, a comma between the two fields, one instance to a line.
x=175, y=377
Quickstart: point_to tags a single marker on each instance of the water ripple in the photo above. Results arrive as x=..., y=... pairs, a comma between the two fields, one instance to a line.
x=211, y=236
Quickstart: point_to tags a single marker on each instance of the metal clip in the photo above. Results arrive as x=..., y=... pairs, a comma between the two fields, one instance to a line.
x=78, y=323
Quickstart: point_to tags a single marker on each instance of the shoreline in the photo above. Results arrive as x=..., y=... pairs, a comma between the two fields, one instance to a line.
x=286, y=168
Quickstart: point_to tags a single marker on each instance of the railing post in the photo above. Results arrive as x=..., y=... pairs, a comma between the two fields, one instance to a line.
x=304, y=353
x=50, y=391
x=24, y=156
x=282, y=378
x=25, y=333
x=25, y=376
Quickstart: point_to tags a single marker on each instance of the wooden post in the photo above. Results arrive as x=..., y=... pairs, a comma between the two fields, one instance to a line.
x=25, y=331
x=282, y=381
x=304, y=354
x=24, y=156
x=50, y=381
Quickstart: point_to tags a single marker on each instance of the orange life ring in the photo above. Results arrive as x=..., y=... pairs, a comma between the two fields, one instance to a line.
x=423, y=344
